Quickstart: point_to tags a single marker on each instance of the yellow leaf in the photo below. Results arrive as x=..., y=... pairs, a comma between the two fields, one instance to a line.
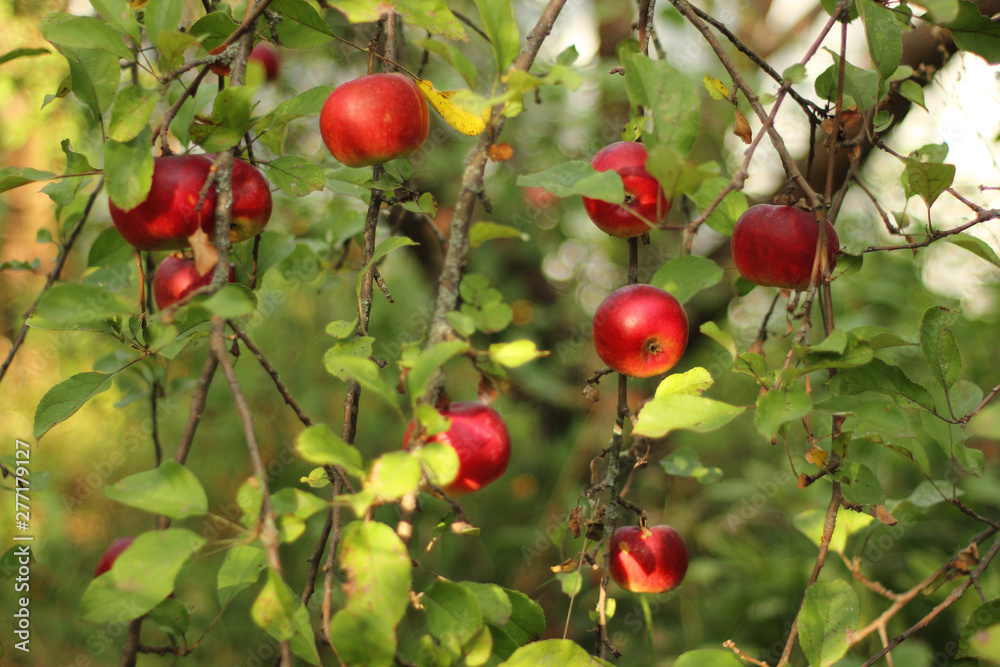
x=137, y=4
x=459, y=116
x=716, y=88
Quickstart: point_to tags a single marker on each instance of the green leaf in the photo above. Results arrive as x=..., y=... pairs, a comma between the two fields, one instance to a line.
x=141, y=577
x=378, y=585
x=859, y=484
x=295, y=176
x=69, y=303
x=319, y=444
x=879, y=338
x=692, y=383
x=972, y=30
x=723, y=218
x=940, y=11
x=673, y=101
x=22, y=53
x=880, y=377
x=439, y=460
x=884, y=35
x=516, y=353
x=562, y=652
x=431, y=15
x=429, y=362
x=393, y=475
x=527, y=620
x=939, y=345
x=687, y=275
x=684, y=462
x=230, y=120
x=876, y=412
x=232, y=301
x=972, y=643
x=300, y=27
x=128, y=166
x=172, y=616
x=451, y=608
x=926, y=179
x=778, y=407
x=830, y=615
x=570, y=582
x=676, y=176
x=162, y=16
x=131, y=112
x=499, y=24
x=577, y=177
x=83, y=32
x=94, y=76
x=481, y=232
x=383, y=249
x=493, y=602
x=708, y=657
x=810, y=523
x=341, y=329
x=365, y=372
x=841, y=349
x=171, y=490
x=914, y=92
x=241, y=569
x=452, y=56
x=672, y=412
x=63, y=400
x=212, y=29
x=13, y=177
x=976, y=246
x=283, y=616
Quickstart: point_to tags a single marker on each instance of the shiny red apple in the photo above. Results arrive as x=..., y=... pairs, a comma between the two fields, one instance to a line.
x=645, y=205
x=480, y=439
x=776, y=245
x=373, y=119
x=176, y=277
x=111, y=554
x=640, y=330
x=651, y=561
x=170, y=213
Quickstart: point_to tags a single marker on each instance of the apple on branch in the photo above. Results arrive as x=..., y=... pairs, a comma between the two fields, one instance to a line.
x=480, y=439
x=374, y=119
x=776, y=245
x=176, y=277
x=640, y=330
x=171, y=214
x=645, y=204
x=652, y=560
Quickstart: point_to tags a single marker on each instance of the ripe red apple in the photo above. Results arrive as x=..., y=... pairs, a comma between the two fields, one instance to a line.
x=373, y=119
x=265, y=54
x=176, y=277
x=480, y=439
x=653, y=561
x=640, y=330
x=168, y=216
x=111, y=554
x=645, y=205
x=776, y=245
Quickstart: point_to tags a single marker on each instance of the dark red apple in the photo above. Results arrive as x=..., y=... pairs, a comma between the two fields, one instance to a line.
x=176, y=277
x=373, y=119
x=265, y=54
x=168, y=216
x=640, y=330
x=645, y=205
x=776, y=245
x=480, y=439
x=651, y=561
x=111, y=554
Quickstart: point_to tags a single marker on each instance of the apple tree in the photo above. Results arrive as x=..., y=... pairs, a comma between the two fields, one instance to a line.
x=500, y=332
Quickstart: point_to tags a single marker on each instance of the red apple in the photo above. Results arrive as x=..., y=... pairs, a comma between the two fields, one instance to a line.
x=176, y=277
x=373, y=119
x=111, y=554
x=480, y=439
x=640, y=330
x=776, y=245
x=651, y=561
x=168, y=216
x=645, y=205
x=265, y=54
